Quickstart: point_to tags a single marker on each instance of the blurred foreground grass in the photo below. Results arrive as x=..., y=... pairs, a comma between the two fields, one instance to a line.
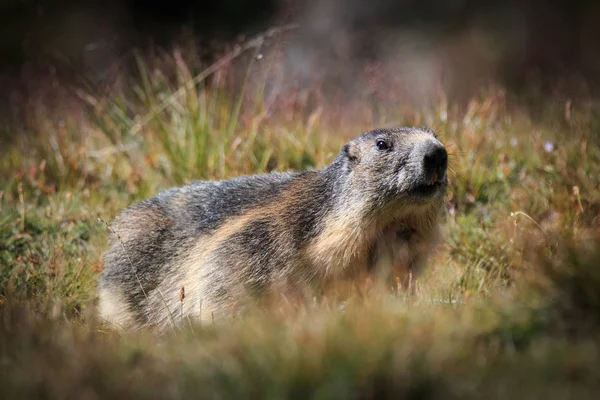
x=509, y=306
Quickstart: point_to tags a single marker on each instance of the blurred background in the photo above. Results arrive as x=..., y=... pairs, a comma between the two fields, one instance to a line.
x=456, y=45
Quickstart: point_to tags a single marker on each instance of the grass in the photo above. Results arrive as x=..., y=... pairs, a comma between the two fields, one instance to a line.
x=508, y=306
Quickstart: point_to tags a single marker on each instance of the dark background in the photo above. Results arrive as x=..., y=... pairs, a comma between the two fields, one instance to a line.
x=532, y=41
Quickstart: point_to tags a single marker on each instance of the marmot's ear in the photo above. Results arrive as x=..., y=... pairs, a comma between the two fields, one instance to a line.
x=350, y=150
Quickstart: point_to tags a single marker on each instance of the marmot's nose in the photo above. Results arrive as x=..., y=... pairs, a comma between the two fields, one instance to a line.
x=435, y=161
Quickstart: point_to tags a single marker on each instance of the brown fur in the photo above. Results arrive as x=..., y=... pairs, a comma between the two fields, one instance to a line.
x=335, y=224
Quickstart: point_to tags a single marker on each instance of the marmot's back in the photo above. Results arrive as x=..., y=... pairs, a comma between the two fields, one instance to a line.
x=202, y=206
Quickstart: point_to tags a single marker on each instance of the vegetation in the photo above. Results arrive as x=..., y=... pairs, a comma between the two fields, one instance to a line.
x=509, y=306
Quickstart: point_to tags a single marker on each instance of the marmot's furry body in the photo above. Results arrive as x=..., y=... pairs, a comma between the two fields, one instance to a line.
x=228, y=242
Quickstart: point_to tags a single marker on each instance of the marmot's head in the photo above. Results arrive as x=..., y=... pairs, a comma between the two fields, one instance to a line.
x=407, y=165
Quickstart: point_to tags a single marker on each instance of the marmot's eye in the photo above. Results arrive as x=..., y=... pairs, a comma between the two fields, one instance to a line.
x=382, y=145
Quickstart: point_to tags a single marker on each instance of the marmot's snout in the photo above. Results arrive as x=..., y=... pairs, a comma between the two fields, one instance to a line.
x=435, y=162
x=430, y=172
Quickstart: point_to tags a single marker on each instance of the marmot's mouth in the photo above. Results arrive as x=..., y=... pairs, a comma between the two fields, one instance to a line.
x=426, y=190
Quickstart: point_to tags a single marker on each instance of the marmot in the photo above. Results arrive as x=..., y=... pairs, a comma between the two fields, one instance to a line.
x=202, y=250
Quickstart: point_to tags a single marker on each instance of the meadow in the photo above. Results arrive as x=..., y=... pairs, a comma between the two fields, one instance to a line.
x=509, y=306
